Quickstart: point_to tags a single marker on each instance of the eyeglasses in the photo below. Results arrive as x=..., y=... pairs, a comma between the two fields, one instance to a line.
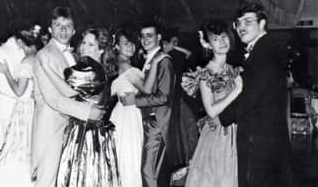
x=244, y=22
x=147, y=36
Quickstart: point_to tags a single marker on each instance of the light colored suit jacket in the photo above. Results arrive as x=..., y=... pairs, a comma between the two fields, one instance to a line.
x=51, y=111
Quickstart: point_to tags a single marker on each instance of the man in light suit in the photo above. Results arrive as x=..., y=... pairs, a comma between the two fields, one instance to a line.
x=53, y=103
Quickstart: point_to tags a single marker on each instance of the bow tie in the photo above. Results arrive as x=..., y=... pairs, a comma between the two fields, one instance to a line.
x=248, y=49
x=68, y=49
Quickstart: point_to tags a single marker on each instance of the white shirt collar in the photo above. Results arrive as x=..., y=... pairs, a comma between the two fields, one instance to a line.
x=152, y=53
x=62, y=47
x=66, y=51
x=149, y=56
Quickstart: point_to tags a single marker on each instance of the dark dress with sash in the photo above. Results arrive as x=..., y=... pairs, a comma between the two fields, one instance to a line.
x=88, y=155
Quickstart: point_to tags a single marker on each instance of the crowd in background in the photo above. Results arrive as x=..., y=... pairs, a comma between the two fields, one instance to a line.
x=124, y=108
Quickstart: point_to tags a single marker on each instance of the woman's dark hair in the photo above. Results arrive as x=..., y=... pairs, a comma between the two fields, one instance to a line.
x=123, y=33
x=111, y=63
x=217, y=27
x=214, y=26
x=25, y=30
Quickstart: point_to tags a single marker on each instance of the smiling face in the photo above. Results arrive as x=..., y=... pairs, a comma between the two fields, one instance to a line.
x=248, y=27
x=62, y=30
x=149, y=38
x=90, y=47
x=126, y=48
x=220, y=44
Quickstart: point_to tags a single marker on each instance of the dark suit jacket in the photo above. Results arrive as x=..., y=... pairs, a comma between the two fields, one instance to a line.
x=160, y=100
x=260, y=112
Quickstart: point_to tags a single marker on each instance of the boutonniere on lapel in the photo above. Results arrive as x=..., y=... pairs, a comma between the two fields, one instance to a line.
x=248, y=50
x=156, y=60
x=147, y=66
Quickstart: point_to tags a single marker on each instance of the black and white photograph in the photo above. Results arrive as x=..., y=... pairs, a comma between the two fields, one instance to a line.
x=158, y=93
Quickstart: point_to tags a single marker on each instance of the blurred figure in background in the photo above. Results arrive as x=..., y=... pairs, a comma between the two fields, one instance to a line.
x=183, y=133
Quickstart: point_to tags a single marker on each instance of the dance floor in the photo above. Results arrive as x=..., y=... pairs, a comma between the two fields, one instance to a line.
x=305, y=160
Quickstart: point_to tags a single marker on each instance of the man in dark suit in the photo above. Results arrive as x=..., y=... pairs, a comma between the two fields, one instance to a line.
x=260, y=111
x=155, y=107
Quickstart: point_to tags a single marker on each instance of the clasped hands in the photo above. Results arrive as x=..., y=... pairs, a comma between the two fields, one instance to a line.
x=128, y=98
x=97, y=112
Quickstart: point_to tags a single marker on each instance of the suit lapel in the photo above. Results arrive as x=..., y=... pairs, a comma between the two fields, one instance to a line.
x=256, y=50
x=150, y=62
x=59, y=56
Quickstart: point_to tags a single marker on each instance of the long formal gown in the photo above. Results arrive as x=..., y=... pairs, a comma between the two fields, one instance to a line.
x=129, y=130
x=89, y=154
x=214, y=162
x=15, y=150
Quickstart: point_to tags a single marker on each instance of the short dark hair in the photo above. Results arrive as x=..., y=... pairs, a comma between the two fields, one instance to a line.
x=170, y=33
x=64, y=12
x=249, y=6
x=153, y=24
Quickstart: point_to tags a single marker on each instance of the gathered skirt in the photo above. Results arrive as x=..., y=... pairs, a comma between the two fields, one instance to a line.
x=15, y=149
x=129, y=141
x=214, y=163
x=88, y=156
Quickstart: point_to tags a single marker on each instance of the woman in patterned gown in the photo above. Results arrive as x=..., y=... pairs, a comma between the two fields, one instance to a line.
x=88, y=155
x=127, y=119
x=15, y=150
x=215, y=161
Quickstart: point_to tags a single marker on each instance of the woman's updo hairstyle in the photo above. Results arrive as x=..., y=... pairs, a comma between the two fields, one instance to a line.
x=216, y=27
x=27, y=32
x=123, y=33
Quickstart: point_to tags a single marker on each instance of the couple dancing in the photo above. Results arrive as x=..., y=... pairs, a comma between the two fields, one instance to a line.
x=86, y=155
x=141, y=116
x=247, y=110
x=71, y=144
